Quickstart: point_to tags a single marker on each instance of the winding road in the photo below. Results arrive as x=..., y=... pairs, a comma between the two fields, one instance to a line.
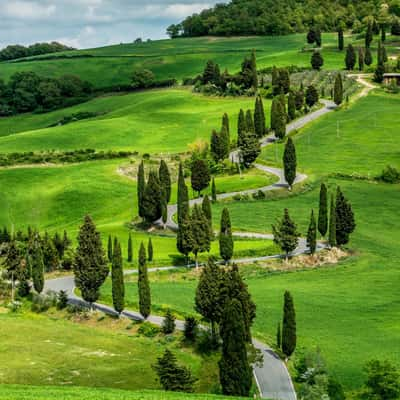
x=272, y=376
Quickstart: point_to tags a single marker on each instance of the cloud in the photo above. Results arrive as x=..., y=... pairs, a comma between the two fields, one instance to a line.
x=28, y=10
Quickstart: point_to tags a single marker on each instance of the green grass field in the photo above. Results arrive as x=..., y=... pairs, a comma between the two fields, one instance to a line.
x=180, y=58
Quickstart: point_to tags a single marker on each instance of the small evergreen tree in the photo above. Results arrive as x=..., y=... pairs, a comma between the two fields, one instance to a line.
x=190, y=329
x=369, y=35
x=90, y=265
x=165, y=180
x=62, y=300
x=130, y=248
x=338, y=90
x=168, y=325
x=259, y=118
x=332, y=224
x=143, y=284
x=213, y=191
x=299, y=99
x=152, y=199
x=351, y=58
x=250, y=122
x=23, y=275
x=225, y=132
x=117, y=279
x=200, y=178
x=201, y=240
x=323, y=210
x=289, y=336
x=206, y=208
x=184, y=238
x=109, y=249
x=290, y=162
x=150, y=250
x=141, y=186
x=36, y=263
x=50, y=254
x=360, y=59
x=234, y=368
x=250, y=149
x=368, y=57
x=316, y=60
x=345, y=223
x=379, y=72
x=242, y=128
x=225, y=237
x=312, y=234
x=291, y=106
x=340, y=39
x=183, y=196
x=311, y=96
x=285, y=234
x=253, y=64
x=278, y=117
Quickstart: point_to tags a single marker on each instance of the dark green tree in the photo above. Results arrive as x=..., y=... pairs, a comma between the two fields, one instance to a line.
x=332, y=223
x=369, y=35
x=90, y=265
x=217, y=146
x=360, y=59
x=141, y=186
x=259, y=118
x=213, y=191
x=234, y=368
x=36, y=263
x=312, y=234
x=345, y=223
x=210, y=73
x=311, y=96
x=190, y=329
x=278, y=117
x=323, y=210
x=152, y=199
x=172, y=376
x=130, y=248
x=184, y=238
x=290, y=162
x=254, y=81
x=368, y=60
x=338, y=90
x=242, y=128
x=225, y=237
x=289, y=335
x=285, y=234
x=283, y=81
x=150, y=250
x=165, y=180
x=201, y=239
x=117, y=279
x=292, y=106
x=23, y=275
x=206, y=208
x=225, y=131
x=316, y=60
x=50, y=254
x=340, y=39
x=225, y=140
x=250, y=122
x=168, y=325
x=299, y=99
x=379, y=72
x=383, y=33
x=109, y=249
x=278, y=336
x=351, y=58
x=143, y=284
x=200, y=178
x=250, y=149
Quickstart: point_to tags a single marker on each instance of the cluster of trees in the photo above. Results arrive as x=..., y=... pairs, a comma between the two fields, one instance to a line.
x=28, y=256
x=154, y=195
x=27, y=91
x=335, y=222
x=269, y=17
x=13, y=52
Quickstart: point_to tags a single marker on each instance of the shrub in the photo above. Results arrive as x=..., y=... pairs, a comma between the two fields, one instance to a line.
x=190, y=330
x=148, y=330
x=168, y=326
x=259, y=195
x=390, y=175
x=62, y=300
x=142, y=78
x=42, y=302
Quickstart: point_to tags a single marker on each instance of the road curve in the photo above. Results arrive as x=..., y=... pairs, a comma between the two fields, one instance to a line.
x=273, y=378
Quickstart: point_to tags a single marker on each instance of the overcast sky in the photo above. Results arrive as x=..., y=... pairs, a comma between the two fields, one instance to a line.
x=91, y=23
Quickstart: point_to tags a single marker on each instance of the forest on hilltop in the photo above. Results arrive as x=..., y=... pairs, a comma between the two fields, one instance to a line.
x=281, y=17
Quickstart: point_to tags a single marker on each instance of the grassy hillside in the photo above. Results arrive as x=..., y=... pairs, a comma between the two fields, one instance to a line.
x=154, y=121
x=180, y=58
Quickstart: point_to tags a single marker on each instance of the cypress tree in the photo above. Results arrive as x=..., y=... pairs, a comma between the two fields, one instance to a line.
x=289, y=336
x=285, y=234
x=200, y=178
x=311, y=96
x=225, y=131
x=275, y=81
x=259, y=118
x=130, y=248
x=209, y=73
x=66, y=241
x=200, y=233
x=150, y=250
x=360, y=59
x=234, y=368
x=184, y=238
x=206, y=208
x=143, y=284
x=50, y=254
x=190, y=330
x=250, y=122
x=338, y=90
x=253, y=64
x=225, y=141
x=278, y=336
x=23, y=275
x=345, y=223
x=340, y=39
x=351, y=58
x=312, y=234
x=291, y=106
x=90, y=265
x=109, y=249
x=369, y=35
x=117, y=279
x=165, y=180
x=217, y=146
x=323, y=210
x=152, y=199
x=58, y=244
x=283, y=81
x=299, y=99
x=278, y=117
x=250, y=149
x=36, y=263
x=168, y=325
x=379, y=72
x=241, y=128
x=225, y=237
x=368, y=57
x=141, y=186
x=213, y=191
x=290, y=162
x=316, y=60
x=332, y=224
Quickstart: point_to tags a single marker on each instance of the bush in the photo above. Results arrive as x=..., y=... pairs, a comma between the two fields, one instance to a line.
x=142, y=79
x=62, y=300
x=259, y=195
x=148, y=330
x=206, y=342
x=168, y=326
x=190, y=331
x=390, y=175
x=42, y=302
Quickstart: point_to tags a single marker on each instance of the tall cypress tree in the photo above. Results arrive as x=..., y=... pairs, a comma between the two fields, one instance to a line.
x=117, y=279
x=225, y=131
x=130, y=248
x=152, y=199
x=360, y=59
x=285, y=234
x=332, y=223
x=340, y=39
x=90, y=265
x=184, y=238
x=141, y=186
x=234, y=368
x=289, y=335
x=213, y=191
x=241, y=128
x=323, y=210
x=368, y=57
x=253, y=64
x=275, y=81
x=217, y=146
x=369, y=35
x=206, y=208
x=351, y=57
x=278, y=336
x=278, y=117
x=150, y=250
x=183, y=196
x=109, y=249
x=338, y=90
x=291, y=106
x=312, y=234
x=200, y=232
x=143, y=284
x=225, y=237
x=36, y=263
x=250, y=149
x=165, y=180
x=250, y=121
x=259, y=118
x=345, y=223
x=200, y=177
x=225, y=141
x=290, y=162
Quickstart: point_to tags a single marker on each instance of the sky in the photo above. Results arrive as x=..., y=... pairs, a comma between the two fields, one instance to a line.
x=91, y=23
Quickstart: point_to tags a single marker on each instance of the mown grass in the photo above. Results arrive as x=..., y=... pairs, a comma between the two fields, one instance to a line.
x=180, y=58
x=156, y=121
